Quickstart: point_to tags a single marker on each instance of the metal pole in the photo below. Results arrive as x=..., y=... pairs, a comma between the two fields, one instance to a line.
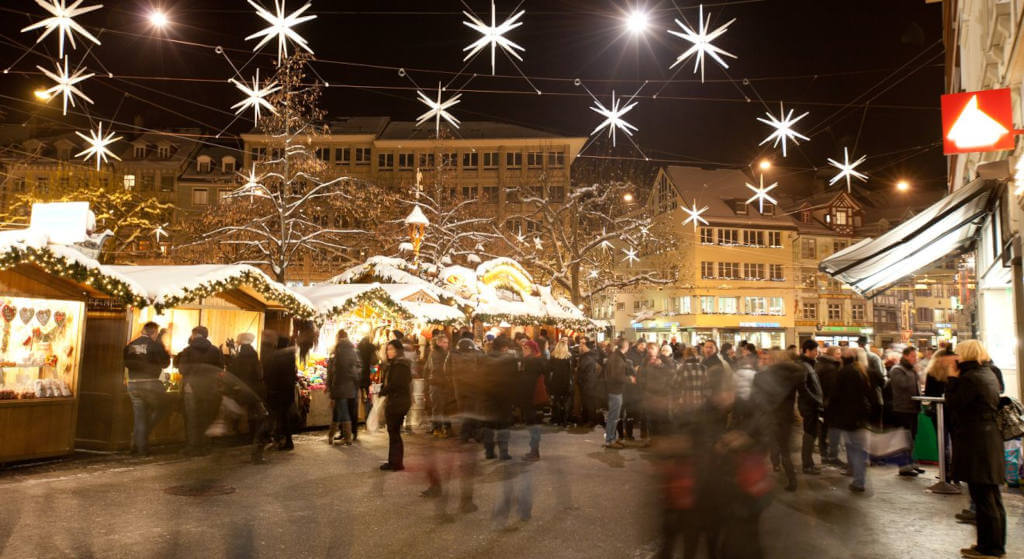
x=941, y=487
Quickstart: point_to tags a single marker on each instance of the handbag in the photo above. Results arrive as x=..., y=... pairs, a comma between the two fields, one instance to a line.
x=1010, y=418
x=540, y=392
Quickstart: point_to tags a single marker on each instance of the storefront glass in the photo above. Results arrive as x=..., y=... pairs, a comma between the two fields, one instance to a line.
x=40, y=347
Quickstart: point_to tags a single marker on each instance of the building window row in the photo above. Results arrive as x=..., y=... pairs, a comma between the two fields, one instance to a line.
x=407, y=161
x=709, y=304
x=833, y=311
x=750, y=271
x=740, y=237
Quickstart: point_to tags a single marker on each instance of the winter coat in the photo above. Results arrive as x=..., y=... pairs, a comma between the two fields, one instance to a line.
x=247, y=368
x=972, y=399
x=145, y=358
x=434, y=368
x=467, y=380
x=775, y=390
x=397, y=385
x=343, y=372
x=501, y=373
x=591, y=375
x=533, y=368
x=827, y=370
x=743, y=377
x=657, y=385
x=849, y=407
x=903, y=384
x=560, y=380
x=809, y=395
x=367, y=358
x=616, y=372
x=199, y=352
x=714, y=361
x=280, y=375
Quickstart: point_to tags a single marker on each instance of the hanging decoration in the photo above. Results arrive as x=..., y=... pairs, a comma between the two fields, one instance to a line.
x=613, y=116
x=493, y=35
x=66, y=84
x=438, y=110
x=847, y=169
x=255, y=96
x=694, y=215
x=43, y=316
x=631, y=256
x=281, y=27
x=761, y=194
x=8, y=312
x=783, y=128
x=160, y=232
x=701, y=42
x=59, y=318
x=98, y=145
x=26, y=314
x=62, y=19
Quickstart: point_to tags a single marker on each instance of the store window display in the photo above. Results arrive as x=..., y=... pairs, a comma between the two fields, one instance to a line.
x=40, y=344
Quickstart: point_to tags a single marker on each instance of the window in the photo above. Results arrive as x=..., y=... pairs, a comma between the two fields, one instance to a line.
x=148, y=182
x=707, y=270
x=140, y=152
x=841, y=217
x=342, y=156
x=768, y=209
x=925, y=314
x=636, y=305
x=470, y=160
x=469, y=192
x=775, y=239
x=129, y=182
x=556, y=194
x=808, y=249
x=835, y=311
x=163, y=152
x=810, y=310
x=166, y=183
x=362, y=156
x=406, y=161
x=839, y=245
x=857, y=311
x=204, y=164
x=775, y=272
x=728, y=237
x=707, y=304
x=727, y=305
x=556, y=159
x=685, y=305
x=514, y=160
x=728, y=270
x=755, y=305
x=449, y=160
x=323, y=154
x=19, y=184
x=491, y=194
x=753, y=238
x=258, y=154
x=228, y=164
x=426, y=160
x=200, y=197
x=43, y=185
x=707, y=236
x=776, y=306
x=535, y=159
x=753, y=271
x=491, y=160
x=385, y=161
x=741, y=209
x=620, y=306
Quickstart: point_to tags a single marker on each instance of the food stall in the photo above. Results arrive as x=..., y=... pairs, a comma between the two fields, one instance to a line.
x=227, y=299
x=48, y=293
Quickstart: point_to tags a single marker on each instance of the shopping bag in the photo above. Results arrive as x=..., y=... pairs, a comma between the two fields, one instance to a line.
x=881, y=444
x=1012, y=453
x=375, y=419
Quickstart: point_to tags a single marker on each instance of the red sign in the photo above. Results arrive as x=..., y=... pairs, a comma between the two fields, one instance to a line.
x=977, y=121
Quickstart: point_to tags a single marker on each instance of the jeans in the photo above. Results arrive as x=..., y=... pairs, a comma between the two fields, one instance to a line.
x=856, y=456
x=812, y=431
x=834, y=436
x=501, y=432
x=534, y=438
x=990, y=517
x=518, y=486
x=612, y=419
x=340, y=413
x=149, y=407
x=396, y=448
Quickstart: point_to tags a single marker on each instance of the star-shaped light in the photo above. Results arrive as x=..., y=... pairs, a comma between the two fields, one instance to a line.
x=605, y=244
x=493, y=35
x=61, y=19
x=98, y=145
x=255, y=96
x=630, y=255
x=847, y=169
x=613, y=117
x=783, y=128
x=66, y=83
x=538, y=244
x=694, y=215
x=761, y=194
x=281, y=27
x=253, y=183
x=438, y=110
x=593, y=274
x=520, y=238
x=160, y=232
x=701, y=40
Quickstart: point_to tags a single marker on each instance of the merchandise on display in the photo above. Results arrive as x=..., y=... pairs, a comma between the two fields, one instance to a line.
x=42, y=360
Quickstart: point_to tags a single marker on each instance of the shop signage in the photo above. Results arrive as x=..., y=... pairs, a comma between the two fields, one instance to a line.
x=977, y=121
x=943, y=325
x=865, y=331
x=760, y=325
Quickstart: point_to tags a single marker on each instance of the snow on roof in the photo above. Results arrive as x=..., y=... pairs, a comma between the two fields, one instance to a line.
x=417, y=217
x=336, y=299
x=387, y=270
x=490, y=265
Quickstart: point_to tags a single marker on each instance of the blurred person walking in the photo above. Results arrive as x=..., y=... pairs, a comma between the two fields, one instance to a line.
x=775, y=389
x=827, y=368
x=592, y=389
x=199, y=364
x=280, y=373
x=439, y=381
x=501, y=367
x=849, y=410
x=343, y=371
x=534, y=371
x=904, y=387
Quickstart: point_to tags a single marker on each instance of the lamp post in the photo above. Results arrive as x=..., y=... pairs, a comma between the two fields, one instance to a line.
x=417, y=222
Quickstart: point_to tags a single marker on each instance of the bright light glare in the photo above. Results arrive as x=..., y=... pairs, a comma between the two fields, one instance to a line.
x=41, y=94
x=627, y=197
x=158, y=19
x=765, y=164
x=637, y=22
x=903, y=186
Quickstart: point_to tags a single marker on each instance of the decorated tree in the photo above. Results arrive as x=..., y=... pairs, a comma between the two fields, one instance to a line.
x=290, y=211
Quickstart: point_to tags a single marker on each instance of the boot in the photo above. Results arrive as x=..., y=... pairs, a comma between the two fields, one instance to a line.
x=330, y=433
x=346, y=427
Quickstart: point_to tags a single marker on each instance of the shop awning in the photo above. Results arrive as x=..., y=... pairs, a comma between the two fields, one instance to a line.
x=950, y=225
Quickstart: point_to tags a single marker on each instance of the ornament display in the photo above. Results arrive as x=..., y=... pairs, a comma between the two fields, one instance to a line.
x=493, y=35
x=281, y=27
x=26, y=314
x=43, y=316
x=8, y=312
x=694, y=215
x=761, y=194
x=783, y=126
x=438, y=110
x=613, y=116
x=847, y=169
x=255, y=96
x=59, y=318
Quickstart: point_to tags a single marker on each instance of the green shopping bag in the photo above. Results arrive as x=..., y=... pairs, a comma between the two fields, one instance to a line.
x=926, y=446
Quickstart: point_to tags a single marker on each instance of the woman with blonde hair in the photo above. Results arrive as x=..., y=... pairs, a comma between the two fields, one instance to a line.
x=560, y=382
x=972, y=398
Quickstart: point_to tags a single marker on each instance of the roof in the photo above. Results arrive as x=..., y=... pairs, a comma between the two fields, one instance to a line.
x=372, y=125
x=721, y=190
x=405, y=300
x=477, y=130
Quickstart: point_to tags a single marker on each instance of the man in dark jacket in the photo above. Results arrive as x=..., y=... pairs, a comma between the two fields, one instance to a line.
x=145, y=358
x=280, y=373
x=246, y=364
x=904, y=386
x=590, y=381
x=439, y=380
x=810, y=404
x=774, y=391
x=827, y=369
x=199, y=364
x=342, y=380
x=501, y=366
x=618, y=371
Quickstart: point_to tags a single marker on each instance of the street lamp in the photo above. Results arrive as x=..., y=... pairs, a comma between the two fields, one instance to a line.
x=903, y=186
x=417, y=222
x=765, y=164
x=637, y=22
x=41, y=95
x=627, y=197
x=158, y=19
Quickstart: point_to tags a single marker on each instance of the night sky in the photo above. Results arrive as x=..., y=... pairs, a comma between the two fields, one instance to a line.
x=829, y=57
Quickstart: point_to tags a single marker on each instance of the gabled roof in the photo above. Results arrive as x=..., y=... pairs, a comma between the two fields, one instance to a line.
x=719, y=189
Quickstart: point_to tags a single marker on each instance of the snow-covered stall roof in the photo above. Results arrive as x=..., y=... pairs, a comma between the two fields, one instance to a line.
x=23, y=246
x=405, y=300
x=386, y=270
x=171, y=286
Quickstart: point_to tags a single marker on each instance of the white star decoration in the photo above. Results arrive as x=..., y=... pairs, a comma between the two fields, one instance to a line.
x=593, y=274
x=701, y=40
x=160, y=232
x=783, y=128
x=281, y=27
x=847, y=169
x=493, y=35
x=255, y=96
x=761, y=194
x=694, y=215
x=61, y=20
x=630, y=255
x=253, y=183
x=613, y=117
x=66, y=84
x=538, y=244
x=520, y=238
x=98, y=145
x=438, y=110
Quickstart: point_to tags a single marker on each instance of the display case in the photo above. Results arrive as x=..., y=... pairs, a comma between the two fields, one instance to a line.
x=40, y=345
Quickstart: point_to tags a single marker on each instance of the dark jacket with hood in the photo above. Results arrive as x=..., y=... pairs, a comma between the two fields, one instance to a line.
x=145, y=358
x=367, y=358
x=199, y=352
x=247, y=368
x=343, y=371
x=850, y=406
x=810, y=400
x=280, y=373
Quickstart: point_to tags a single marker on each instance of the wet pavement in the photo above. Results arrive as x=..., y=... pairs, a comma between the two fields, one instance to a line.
x=324, y=501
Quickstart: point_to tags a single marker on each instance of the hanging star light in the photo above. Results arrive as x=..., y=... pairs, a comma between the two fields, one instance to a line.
x=593, y=274
x=98, y=145
x=605, y=244
x=493, y=35
x=630, y=255
x=701, y=40
x=255, y=96
x=62, y=20
x=160, y=232
x=613, y=117
x=538, y=244
x=847, y=169
x=783, y=128
x=253, y=182
x=761, y=194
x=281, y=27
x=438, y=110
x=520, y=238
x=66, y=84
x=694, y=215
